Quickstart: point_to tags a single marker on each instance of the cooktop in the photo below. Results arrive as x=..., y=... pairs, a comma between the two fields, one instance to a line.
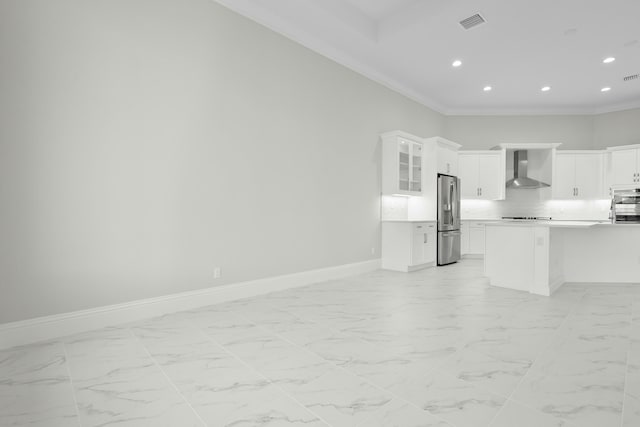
x=528, y=218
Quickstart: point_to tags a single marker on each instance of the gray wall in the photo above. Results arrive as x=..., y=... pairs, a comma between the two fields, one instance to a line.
x=143, y=142
x=575, y=132
x=619, y=128
x=484, y=132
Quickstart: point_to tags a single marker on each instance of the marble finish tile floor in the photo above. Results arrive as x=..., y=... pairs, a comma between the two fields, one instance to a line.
x=437, y=347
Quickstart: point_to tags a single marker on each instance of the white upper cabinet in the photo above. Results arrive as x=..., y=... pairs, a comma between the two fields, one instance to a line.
x=482, y=174
x=625, y=166
x=578, y=175
x=402, y=162
x=447, y=154
x=468, y=174
x=590, y=175
x=447, y=161
x=564, y=180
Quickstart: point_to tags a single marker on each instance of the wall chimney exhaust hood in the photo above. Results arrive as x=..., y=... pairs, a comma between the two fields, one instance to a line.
x=520, y=168
x=530, y=157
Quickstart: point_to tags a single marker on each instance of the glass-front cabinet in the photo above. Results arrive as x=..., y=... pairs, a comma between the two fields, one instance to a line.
x=401, y=164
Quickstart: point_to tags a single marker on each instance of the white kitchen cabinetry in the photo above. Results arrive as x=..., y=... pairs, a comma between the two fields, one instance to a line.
x=447, y=154
x=402, y=162
x=408, y=246
x=482, y=174
x=625, y=166
x=472, y=239
x=464, y=238
x=578, y=175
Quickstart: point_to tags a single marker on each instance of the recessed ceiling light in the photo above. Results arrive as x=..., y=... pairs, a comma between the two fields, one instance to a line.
x=605, y=89
x=608, y=60
x=457, y=63
x=487, y=88
x=546, y=88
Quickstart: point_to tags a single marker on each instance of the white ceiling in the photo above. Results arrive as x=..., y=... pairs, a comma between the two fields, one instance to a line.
x=409, y=45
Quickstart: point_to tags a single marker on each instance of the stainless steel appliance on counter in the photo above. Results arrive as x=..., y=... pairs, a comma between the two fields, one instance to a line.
x=625, y=206
x=448, y=219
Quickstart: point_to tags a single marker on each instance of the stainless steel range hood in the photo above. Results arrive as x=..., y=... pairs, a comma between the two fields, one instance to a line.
x=520, y=178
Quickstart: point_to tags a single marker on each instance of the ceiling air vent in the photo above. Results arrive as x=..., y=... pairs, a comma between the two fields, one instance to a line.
x=472, y=21
x=631, y=77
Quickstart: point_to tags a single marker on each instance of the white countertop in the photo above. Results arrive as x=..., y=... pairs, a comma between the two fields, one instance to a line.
x=618, y=225
x=556, y=224
x=528, y=223
x=409, y=220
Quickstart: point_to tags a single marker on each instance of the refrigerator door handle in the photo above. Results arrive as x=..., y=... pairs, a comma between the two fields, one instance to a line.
x=452, y=204
x=455, y=204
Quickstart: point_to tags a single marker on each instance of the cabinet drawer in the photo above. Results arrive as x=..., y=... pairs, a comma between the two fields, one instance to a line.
x=474, y=223
x=423, y=227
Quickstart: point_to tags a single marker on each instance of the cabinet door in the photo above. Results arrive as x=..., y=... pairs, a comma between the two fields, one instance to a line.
x=476, y=239
x=589, y=178
x=491, y=176
x=415, y=162
x=453, y=161
x=404, y=166
x=564, y=180
x=418, y=243
x=464, y=238
x=468, y=174
x=623, y=166
x=447, y=161
x=430, y=245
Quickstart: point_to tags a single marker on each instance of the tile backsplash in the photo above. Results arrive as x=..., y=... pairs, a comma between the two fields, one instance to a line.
x=535, y=203
x=407, y=208
x=517, y=203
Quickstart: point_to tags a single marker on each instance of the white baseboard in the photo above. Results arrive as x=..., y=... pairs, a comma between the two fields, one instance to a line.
x=59, y=325
x=555, y=285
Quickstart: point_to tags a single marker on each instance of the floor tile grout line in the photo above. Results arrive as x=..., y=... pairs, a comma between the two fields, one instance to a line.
x=342, y=368
x=333, y=364
x=73, y=388
x=574, y=306
x=173, y=385
x=254, y=370
x=549, y=344
x=366, y=380
x=510, y=397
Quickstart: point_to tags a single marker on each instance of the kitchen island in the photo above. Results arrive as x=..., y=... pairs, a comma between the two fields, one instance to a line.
x=540, y=256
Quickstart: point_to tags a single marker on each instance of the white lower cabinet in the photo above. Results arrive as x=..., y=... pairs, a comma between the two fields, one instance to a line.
x=464, y=238
x=472, y=243
x=408, y=246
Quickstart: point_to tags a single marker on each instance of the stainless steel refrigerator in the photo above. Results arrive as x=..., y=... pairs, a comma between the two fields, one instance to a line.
x=448, y=219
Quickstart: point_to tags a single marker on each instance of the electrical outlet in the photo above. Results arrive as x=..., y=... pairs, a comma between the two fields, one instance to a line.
x=373, y=251
x=217, y=273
